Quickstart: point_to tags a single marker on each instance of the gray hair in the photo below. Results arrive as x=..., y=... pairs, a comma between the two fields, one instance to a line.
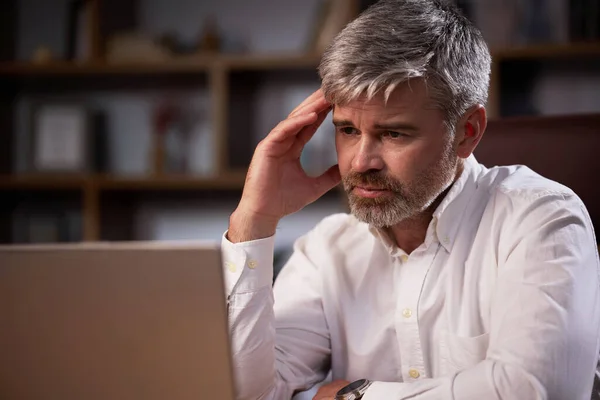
x=397, y=40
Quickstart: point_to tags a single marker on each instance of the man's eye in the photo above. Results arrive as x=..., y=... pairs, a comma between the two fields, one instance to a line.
x=394, y=135
x=348, y=130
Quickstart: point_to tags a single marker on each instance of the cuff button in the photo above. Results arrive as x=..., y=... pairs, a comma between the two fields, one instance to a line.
x=230, y=266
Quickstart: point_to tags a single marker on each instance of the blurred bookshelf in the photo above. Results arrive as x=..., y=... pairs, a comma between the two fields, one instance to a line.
x=41, y=182
x=54, y=68
x=185, y=65
x=92, y=189
x=106, y=200
x=232, y=180
x=265, y=62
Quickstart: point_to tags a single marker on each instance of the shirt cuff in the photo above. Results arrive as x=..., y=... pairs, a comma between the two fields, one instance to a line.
x=247, y=266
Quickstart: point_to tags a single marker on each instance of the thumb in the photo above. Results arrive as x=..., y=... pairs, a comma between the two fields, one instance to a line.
x=328, y=180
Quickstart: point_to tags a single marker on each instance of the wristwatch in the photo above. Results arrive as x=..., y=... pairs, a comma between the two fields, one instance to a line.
x=354, y=391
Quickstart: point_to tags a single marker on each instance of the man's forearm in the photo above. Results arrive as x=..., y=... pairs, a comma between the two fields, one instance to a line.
x=248, y=269
x=486, y=380
x=253, y=343
x=245, y=227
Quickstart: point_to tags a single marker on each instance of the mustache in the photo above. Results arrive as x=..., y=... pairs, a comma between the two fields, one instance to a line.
x=371, y=178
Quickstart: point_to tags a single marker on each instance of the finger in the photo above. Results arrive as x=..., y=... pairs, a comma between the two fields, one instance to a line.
x=314, y=96
x=291, y=126
x=327, y=180
x=307, y=133
x=317, y=106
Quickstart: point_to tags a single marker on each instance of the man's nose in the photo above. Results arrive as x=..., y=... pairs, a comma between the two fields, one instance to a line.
x=367, y=156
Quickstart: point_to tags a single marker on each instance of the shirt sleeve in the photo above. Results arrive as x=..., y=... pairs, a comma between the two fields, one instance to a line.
x=277, y=350
x=247, y=266
x=545, y=313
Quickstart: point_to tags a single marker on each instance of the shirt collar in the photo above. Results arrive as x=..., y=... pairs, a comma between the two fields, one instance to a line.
x=449, y=213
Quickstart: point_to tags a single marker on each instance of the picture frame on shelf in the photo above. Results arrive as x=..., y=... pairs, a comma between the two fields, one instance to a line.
x=60, y=138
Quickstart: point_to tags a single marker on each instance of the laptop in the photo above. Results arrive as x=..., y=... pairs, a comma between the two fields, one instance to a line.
x=113, y=321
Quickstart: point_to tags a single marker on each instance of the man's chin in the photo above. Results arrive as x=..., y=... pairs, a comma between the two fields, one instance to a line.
x=378, y=215
x=370, y=202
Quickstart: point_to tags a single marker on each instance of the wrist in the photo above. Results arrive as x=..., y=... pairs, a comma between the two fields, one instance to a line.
x=245, y=226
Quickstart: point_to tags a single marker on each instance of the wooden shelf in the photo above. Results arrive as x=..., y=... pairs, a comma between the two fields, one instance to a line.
x=198, y=65
x=191, y=64
x=548, y=51
x=233, y=180
x=91, y=188
x=203, y=63
x=42, y=182
x=268, y=61
x=165, y=183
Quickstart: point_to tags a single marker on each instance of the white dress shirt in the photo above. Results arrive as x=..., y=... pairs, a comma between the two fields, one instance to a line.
x=501, y=301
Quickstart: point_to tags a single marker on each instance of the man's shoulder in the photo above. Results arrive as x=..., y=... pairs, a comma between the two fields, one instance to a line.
x=517, y=193
x=521, y=183
x=524, y=207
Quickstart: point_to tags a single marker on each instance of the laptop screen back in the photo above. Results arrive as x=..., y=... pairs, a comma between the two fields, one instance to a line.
x=113, y=321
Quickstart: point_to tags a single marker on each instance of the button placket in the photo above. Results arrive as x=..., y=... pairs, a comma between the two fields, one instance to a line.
x=410, y=283
x=407, y=329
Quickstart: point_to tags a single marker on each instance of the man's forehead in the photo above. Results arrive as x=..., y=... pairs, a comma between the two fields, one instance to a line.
x=381, y=110
x=405, y=97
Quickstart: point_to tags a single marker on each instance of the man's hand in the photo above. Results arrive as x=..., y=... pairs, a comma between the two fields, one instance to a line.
x=276, y=184
x=329, y=391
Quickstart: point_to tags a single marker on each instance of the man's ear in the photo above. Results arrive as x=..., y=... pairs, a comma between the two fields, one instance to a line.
x=470, y=129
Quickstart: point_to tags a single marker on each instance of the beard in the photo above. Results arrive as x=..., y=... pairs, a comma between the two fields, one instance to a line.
x=404, y=200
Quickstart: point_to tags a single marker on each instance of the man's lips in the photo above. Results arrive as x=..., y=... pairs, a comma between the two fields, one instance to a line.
x=371, y=192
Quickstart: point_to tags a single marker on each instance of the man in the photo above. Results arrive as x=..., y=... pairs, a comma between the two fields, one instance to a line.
x=448, y=280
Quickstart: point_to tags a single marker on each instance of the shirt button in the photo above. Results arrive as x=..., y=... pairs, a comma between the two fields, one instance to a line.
x=407, y=313
x=252, y=264
x=404, y=258
x=230, y=266
x=413, y=373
